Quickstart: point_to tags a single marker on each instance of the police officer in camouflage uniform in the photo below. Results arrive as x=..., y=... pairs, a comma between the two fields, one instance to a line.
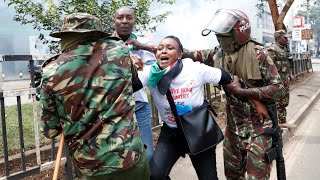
x=245, y=141
x=87, y=93
x=279, y=54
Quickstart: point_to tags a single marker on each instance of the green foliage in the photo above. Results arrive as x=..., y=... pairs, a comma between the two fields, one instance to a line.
x=314, y=20
x=48, y=14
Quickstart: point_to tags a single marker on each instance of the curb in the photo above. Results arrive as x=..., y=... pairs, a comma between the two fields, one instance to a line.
x=299, y=116
x=292, y=87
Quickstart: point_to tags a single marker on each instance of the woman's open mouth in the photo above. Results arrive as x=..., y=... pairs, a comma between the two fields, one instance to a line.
x=164, y=59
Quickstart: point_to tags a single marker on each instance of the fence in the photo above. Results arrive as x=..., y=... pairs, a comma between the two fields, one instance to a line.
x=300, y=64
x=7, y=161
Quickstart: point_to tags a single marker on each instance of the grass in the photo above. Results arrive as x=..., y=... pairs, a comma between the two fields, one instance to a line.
x=12, y=128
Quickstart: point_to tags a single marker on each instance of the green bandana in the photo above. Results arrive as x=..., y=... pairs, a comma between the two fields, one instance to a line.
x=156, y=74
x=162, y=78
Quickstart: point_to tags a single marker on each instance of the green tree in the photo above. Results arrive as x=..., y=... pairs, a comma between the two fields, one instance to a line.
x=314, y=20
x=47, y=15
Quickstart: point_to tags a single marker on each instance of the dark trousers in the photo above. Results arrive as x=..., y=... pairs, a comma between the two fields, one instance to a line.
x=168, y=150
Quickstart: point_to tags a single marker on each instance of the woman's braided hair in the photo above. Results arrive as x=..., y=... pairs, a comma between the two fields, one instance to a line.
x=177, y=40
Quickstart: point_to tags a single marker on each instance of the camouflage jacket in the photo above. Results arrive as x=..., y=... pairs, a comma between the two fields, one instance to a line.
x=242, y=118
x=279, y=55
x=92, y=82
x=203, y=56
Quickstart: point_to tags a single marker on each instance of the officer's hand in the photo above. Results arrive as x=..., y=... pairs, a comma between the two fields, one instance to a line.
x=135, y=43
x=137, y=61
x=234, y=87
x=261, y=110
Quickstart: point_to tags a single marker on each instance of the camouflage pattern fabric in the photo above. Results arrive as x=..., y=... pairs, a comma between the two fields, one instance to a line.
x=281, y=107
x=198, y=55
x=80, y=23
x=242, y=154
x=241, y=116
x=90, y=83
x=279, y=55
x=243, y=121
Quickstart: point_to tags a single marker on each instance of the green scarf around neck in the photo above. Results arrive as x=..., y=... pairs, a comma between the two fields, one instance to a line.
x=156, y=74
x=163, y=78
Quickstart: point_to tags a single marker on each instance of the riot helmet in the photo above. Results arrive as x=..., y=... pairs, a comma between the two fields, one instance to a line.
x=230, y=22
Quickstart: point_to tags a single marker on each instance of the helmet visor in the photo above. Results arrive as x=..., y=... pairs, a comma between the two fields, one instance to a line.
x=222, y=22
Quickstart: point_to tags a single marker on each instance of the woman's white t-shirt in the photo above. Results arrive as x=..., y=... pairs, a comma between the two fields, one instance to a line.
x=186, y=88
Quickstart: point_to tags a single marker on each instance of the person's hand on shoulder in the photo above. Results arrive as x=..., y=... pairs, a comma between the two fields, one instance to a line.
x=136, y=44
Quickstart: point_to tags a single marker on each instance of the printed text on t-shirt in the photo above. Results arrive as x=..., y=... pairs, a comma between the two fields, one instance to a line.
x=181, y=93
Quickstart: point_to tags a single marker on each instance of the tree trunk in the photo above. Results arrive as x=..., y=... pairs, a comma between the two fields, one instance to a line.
x=276, y=18
x=274, y=11
x=284, y=11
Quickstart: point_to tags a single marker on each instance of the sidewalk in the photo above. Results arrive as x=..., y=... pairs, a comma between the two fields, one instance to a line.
x=303, y=95
x=315, y=60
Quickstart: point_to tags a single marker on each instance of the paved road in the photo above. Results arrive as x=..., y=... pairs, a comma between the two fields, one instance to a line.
x=302, y=151
x=183, y=168
x=8, y=85
x=16, y=84
x=316, y=64
x=316, y=67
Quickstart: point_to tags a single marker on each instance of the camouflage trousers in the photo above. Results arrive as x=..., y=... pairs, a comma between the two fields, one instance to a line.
x=243, y=155
x=140, y=170
x=281, y=107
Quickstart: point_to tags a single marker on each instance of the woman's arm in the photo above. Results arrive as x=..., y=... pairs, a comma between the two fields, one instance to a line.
x=140, y=79
x=136, y=83
x=225, y=78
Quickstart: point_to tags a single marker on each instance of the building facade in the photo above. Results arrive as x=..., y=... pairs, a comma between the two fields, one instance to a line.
x=17, y=39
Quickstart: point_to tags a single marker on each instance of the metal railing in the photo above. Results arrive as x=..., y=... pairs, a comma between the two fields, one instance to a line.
x=7, y=161
x=300, y=64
